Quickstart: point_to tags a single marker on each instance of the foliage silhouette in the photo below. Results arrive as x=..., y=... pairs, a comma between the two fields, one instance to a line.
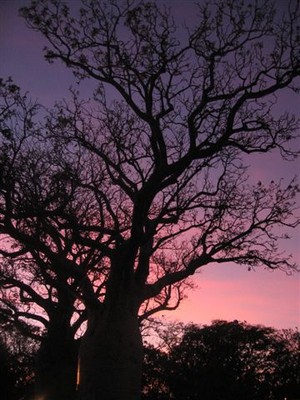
x=227, y=360
x=17, y=355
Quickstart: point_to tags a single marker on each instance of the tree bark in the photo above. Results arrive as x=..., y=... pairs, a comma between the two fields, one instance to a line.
x=111, y=356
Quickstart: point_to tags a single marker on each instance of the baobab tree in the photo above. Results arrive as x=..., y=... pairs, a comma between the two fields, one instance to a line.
x=42, y=267
x=151, y=173
x=37, y=292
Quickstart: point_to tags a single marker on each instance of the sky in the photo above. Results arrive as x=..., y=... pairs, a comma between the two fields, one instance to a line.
x=228, y=291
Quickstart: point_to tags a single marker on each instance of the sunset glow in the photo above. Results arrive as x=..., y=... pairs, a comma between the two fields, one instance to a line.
x=226, y=292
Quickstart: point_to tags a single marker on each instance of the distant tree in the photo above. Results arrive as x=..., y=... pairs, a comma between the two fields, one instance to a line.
x=155, y=373
x=17, y=354
x=6, y=375
x=123, y=200
x=287, y=380
x=233, y=360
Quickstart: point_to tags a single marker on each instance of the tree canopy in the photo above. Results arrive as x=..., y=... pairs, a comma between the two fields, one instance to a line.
x=224, y=360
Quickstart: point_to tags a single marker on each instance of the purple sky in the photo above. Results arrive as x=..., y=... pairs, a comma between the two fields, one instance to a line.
x=224, y=291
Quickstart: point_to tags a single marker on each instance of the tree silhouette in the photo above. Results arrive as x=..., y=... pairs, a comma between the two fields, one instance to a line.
x=124, y=198
x=6, y=377
x=287, y=383
x=17, y=353
x=155, y=376
x=227, y=360
x=224, y=361
x=37, y=293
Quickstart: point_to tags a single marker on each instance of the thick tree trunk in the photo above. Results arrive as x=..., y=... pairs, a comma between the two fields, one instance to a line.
x=57, y=365
x=56, y=368
x=111, y=356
